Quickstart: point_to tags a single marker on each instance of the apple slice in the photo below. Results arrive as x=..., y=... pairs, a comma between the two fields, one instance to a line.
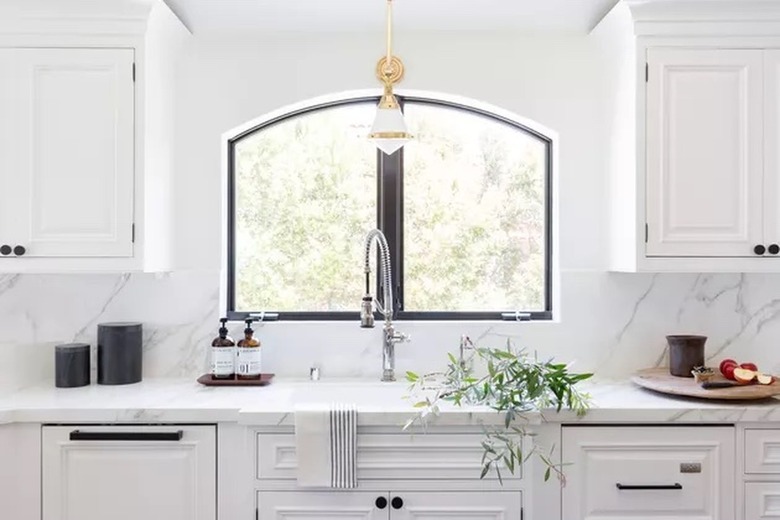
x=764, y=379
x=743, y=376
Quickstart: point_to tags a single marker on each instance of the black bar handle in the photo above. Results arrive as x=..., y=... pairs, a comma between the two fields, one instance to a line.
x=78, y=435
x=650, y=487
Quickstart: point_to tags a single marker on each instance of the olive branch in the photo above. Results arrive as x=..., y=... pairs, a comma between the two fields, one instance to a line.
x=515, y=383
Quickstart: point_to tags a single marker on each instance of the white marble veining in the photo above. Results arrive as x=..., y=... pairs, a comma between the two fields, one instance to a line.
x=379, y=404
x=611, y=324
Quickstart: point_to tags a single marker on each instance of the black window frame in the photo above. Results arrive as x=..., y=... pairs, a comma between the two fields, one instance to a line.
x=390, y=215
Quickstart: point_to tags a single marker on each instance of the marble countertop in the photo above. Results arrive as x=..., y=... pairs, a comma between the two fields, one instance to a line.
x=379, y=404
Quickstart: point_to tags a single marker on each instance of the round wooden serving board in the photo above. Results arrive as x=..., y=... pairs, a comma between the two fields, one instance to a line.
x=660, y=380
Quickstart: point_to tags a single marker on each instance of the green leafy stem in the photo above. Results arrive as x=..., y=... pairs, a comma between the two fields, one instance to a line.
x=514, y=383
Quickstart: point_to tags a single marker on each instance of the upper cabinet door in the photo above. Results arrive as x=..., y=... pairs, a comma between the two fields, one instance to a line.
x=704, y=152
x=772, y=148
x=74, y=125
x=11, y=159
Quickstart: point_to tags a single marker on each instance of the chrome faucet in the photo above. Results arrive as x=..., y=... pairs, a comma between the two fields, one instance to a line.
x=390, y=336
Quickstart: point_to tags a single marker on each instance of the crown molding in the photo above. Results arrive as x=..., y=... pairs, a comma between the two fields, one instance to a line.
x=705, y=17
x=68, y=17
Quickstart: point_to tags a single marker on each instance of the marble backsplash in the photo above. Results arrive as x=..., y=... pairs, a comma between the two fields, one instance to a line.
x=610, y=323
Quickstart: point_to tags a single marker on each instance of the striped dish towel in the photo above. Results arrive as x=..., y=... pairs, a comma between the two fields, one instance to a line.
x=343, y=446
x=326, y=445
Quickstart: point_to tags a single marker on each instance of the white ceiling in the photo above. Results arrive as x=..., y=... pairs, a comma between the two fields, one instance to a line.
x=254, y=16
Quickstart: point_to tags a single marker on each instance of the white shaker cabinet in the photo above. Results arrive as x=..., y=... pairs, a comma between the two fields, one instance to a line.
x=67, y=148
x=422, y=505
x=648, y=473
x=325, y=505
x=129, y=473
x=87, y=124
x=397, y=505
x=705, y=153
x=692, y=110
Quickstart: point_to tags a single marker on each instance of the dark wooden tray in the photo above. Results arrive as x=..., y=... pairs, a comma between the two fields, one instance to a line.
x=209, y=380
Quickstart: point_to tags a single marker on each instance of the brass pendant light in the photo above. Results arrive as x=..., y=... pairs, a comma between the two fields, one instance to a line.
x=389, y=132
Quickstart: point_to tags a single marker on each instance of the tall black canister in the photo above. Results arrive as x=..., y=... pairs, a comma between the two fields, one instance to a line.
x=119, y=353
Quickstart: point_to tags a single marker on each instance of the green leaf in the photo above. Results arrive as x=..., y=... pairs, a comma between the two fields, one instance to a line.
x=547, y=474
x=412, y=377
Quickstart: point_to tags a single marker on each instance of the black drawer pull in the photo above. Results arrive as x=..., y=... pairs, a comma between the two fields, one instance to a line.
x=77, y=435
x=651, y=487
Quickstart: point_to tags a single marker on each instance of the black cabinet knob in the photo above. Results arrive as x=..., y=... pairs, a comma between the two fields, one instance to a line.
x=5, y=250
x=397, y=503
x=773, y=249
x=381, y=502
x=19, y=250
x=759, y=249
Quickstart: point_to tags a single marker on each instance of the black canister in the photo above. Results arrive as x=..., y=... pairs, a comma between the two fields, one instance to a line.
x=71, y=365
x=686, y=352
x=120, y=353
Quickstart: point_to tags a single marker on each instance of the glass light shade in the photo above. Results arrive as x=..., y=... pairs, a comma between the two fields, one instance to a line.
x=389, y=129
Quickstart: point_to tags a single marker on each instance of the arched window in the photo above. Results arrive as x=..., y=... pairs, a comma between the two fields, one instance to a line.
x=466, y=208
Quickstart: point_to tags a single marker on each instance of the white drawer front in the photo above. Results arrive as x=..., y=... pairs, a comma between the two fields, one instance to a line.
x=762, y=451
x=387, y=457
x=762, y=500
x=694, y=466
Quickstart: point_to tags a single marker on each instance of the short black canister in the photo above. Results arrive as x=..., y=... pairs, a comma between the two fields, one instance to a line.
x=71, y=365
x=119, y=353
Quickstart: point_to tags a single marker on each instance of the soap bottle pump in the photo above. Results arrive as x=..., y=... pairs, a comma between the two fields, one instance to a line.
x=248, y=354
x=223, y=354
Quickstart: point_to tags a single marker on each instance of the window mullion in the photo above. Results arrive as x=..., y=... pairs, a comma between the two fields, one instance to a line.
x=391, y=219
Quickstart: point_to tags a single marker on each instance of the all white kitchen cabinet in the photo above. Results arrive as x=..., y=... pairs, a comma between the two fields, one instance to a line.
x=66, y=146
x=396, y=505
x=87, y=105
x=649, y=473
x=691, y=118
x=129, y=473
x=705, y=152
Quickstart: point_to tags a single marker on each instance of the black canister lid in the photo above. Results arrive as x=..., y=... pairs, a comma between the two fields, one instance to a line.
x=72, y=347
x=120, y=325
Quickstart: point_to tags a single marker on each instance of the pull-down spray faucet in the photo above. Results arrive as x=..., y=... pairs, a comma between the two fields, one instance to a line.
x=390, y=336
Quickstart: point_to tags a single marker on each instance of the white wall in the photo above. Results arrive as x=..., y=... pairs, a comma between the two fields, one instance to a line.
x=610, y=323
x=550, y=80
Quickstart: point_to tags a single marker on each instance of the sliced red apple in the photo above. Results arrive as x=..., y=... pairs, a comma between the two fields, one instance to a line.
x=743, y=376
x=764, y=379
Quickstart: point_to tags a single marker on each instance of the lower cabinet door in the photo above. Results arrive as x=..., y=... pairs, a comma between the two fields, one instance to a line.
x=323, y=505
x=129, y=473
x=762, y=500
x=649, y=473
x=467, y=505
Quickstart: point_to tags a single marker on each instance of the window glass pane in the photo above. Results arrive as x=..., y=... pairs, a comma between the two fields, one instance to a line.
x=474, y=195
x=305, y=197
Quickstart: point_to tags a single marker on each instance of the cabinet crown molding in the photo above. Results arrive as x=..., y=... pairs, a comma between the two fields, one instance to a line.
x=704, y=17
x=112, y=17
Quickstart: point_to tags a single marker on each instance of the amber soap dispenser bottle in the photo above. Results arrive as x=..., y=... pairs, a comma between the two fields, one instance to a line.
x=248, y=355
x=223, y=354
